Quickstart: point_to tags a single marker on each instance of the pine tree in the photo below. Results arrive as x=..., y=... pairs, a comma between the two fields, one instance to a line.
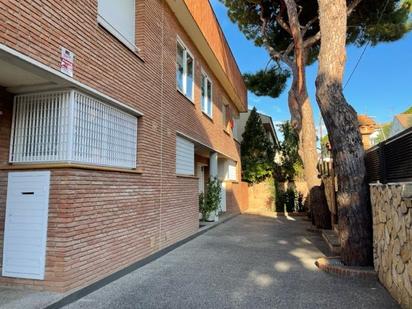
x=257, y=151
x=289, y=31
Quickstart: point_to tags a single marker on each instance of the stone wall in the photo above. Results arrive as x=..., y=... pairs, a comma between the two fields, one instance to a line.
x=392, y=239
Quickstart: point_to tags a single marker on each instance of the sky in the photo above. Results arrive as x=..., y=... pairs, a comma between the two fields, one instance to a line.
x=381, y=86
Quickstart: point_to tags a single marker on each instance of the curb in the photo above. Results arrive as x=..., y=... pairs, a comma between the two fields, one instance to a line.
x=82, y=292
x=333, y=265
x=274, y=213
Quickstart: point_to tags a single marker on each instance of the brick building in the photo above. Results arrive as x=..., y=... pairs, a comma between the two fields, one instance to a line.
x=112, y=116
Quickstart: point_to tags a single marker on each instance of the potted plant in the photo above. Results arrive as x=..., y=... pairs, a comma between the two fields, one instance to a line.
x=209, y=202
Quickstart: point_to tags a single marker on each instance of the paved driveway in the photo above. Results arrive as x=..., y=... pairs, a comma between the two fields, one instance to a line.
x=248, y=262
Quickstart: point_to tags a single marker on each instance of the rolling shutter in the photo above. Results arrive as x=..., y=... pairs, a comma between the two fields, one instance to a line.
x=185, y=156
x=119, y=18
x=232, y=170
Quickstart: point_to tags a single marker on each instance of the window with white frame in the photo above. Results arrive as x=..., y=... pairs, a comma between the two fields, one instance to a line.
x=184, y=70
x=231, y=175
x=235, y=127
x=69, y=126
x=118, y=17
x=206, y=94
x=224, y=114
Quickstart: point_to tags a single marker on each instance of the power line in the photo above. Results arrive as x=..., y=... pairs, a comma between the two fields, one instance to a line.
x=366, y=46
x=357, y=64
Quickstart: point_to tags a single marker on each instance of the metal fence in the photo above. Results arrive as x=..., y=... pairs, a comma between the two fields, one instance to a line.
x=391, y=160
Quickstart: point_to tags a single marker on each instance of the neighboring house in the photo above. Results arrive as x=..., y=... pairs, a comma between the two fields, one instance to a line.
x=368, y=130
x=400, y=122
x=112, y=117
x=374, y=137
x=267, y=124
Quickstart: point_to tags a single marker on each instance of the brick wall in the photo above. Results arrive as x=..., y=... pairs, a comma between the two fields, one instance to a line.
x=262, y=195
x=102, y=221
x=236, y=197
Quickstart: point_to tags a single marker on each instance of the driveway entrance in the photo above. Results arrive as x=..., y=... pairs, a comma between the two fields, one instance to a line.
x=247, y=262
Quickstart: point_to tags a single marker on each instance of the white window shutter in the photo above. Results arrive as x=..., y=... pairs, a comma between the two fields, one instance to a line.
x=119, y=18
x=232, y=170
x=185, y=156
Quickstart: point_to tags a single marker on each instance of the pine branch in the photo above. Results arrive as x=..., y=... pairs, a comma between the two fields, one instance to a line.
x=315, y=38
x=283, y=24
x=275, y=54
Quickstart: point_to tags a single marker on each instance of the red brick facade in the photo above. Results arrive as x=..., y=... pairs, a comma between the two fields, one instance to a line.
x=102, y=221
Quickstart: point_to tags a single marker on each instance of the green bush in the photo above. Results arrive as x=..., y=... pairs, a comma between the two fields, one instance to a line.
x=301, y=206
x=289, y=201
x=257, y=151
x=210, y=202
x=280, y=199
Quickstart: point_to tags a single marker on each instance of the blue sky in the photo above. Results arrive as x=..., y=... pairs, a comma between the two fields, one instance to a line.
x=380, y=87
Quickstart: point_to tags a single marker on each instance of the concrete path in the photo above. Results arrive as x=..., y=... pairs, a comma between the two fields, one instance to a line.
x=248, y=262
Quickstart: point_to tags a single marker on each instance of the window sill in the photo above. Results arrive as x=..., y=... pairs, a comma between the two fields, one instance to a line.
x=186, y=176
x=208, y=116
x=226, y=131
x=30, y=166
x=110, y=29
x=185, y=96
x=230, y=181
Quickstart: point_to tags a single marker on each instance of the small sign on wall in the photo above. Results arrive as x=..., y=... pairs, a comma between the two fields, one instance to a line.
x=66, y=62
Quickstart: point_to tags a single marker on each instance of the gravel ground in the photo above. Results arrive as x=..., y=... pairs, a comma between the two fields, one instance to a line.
x=247, y=262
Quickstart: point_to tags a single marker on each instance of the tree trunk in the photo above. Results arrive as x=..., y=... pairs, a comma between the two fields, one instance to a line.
x=301, y=109
x=341, y=121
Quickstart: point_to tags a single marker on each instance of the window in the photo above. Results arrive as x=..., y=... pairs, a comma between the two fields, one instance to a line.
x=232, y=171
x=184, y=70
x=118, y=17
x=185, y=156
x=206, y=97
x=69, y=126
x=235, y=127
x=224, y=115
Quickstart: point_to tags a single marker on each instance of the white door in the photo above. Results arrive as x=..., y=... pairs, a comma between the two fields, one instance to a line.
x=223, y=197
x=25, y=232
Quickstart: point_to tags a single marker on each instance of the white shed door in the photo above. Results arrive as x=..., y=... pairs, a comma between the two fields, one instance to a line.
x=25, y=233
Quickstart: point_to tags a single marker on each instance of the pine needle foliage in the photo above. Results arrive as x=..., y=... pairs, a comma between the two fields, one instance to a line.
x=257, y=151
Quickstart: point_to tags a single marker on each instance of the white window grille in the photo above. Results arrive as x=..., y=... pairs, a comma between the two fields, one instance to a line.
x=69, y=126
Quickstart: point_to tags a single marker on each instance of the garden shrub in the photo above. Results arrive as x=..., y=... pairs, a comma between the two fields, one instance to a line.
x=210, y=201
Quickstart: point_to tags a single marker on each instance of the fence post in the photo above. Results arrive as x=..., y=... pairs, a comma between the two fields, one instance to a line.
x=382, y=163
